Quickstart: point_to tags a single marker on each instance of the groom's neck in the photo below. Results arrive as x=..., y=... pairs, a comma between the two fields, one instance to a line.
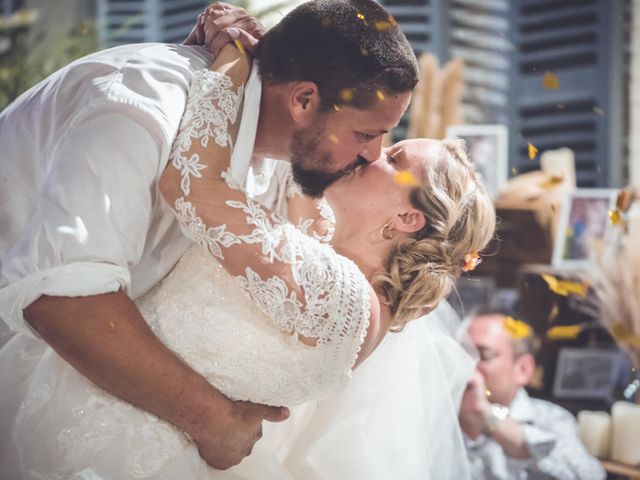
x=275, y=127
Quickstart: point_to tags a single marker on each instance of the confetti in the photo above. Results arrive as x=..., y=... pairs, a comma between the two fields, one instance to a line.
x=379, y=94
x=598, y=111
x=239, y=46
x=333, y=138
x=514, y=170
x=336, y=107
x=553, y=314
x=517, y=329
x=346, y=94
x=406, y=179
x=364, y=52
x=562, y=332
x=615, y=217
x=487, y=392
x=623, y=200
x=533, y=151
x=561, y=106
x=552, y=181
x=565, y=288
x=360, y=16
x=382, y=25
x=622, y=334
x=550, y=81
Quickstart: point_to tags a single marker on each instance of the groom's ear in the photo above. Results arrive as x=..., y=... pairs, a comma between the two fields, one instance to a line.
x=304, y=101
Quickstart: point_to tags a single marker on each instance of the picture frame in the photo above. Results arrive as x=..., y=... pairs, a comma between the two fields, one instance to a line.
x=582, y=225
x=488, y=147
x=587, y=373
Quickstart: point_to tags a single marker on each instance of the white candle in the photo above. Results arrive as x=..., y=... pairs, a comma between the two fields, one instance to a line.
x=595, y=432
x=625, y=447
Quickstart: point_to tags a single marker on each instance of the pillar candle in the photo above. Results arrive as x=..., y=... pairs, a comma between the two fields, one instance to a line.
x=595, y=432
x=625, y=446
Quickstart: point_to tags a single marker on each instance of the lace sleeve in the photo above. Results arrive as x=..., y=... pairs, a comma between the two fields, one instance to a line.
x=304, y=287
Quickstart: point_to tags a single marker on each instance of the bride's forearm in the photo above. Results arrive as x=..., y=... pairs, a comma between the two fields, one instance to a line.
x=202, y=150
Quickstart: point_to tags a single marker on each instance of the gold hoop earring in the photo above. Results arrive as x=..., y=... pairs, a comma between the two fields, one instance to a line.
x=386, y=231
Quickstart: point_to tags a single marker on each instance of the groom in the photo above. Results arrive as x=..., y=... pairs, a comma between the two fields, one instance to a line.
x=84, y=230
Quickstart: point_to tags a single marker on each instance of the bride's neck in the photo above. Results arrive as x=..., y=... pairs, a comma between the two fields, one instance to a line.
x=365, y=248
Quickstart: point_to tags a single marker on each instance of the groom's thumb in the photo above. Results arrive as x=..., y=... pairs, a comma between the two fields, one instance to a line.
x=275, y=414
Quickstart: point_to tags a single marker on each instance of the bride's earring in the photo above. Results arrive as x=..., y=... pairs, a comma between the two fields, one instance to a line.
x=386, y=231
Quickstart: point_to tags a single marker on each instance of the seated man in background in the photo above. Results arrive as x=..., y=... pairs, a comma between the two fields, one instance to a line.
x=507, y=434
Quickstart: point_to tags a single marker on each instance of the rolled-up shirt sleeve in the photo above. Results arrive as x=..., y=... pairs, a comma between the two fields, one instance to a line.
x=92, y=212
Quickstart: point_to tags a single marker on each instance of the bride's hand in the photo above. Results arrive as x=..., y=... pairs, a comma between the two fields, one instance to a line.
x=222, y=23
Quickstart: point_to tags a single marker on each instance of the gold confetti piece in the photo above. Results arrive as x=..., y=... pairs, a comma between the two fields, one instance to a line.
x=487, y=392
x=565, y=288
x=333, y=138
x=336, y=107
x=622, y=334
x=598, y=111
x=346, y=94
x=364, y=52
x=405, y=178
x=552, y=181
x=239, y=46
x=360, y=16
x=615, y=217
x=382, y=25
x=379, y=94
x=533, y=151
x=517, y=329
x=562, y=332
x=550, y=81
x=514, y=170
x=553, y=314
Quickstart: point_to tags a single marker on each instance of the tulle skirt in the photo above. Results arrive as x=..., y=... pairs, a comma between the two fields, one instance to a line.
x=397, y=419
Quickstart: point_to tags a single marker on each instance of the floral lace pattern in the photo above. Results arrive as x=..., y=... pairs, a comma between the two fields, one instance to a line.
x=243, y=336
x=203, y=120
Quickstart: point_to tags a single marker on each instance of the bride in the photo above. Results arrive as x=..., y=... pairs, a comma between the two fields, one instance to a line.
x=264, y=311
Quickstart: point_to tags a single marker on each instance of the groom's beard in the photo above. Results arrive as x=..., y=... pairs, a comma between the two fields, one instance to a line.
x=308, y=160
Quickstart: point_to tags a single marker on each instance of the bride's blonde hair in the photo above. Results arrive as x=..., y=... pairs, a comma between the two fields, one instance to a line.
x=421, y=271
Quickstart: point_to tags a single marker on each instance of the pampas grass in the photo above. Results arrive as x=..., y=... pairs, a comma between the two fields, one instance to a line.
x=615, y=280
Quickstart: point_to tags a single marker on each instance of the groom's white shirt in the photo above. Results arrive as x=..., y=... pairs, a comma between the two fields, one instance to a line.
x=80, y=212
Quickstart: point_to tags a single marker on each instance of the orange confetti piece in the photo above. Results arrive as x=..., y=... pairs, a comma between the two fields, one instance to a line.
x=346, y=94
x=405, y=178
x=564, y=332
x=533, y=151
x=517, y=329
x=379, y=94
x=623, y=200
x=333, y=138
x=550, y=81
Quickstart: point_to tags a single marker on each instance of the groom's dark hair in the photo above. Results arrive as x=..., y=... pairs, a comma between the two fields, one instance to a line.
x=352, y=50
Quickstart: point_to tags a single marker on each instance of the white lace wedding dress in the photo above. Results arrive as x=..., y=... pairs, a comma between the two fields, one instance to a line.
x=242, y=331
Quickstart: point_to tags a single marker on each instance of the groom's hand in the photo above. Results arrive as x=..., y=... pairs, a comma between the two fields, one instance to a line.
x=234, y=431
x=222, y=23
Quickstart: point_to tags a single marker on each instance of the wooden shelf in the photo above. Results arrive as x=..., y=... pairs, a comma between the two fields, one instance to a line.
x=621, y=469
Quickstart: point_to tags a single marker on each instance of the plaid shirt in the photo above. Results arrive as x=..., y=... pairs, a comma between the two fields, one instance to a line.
x=550, y=432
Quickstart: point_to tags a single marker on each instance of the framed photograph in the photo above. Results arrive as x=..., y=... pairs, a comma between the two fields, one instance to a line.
x=582, y=226
x=488, y=147
x=587, y=373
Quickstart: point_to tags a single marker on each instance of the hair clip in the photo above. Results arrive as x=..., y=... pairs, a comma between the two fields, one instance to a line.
x=471, y=261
